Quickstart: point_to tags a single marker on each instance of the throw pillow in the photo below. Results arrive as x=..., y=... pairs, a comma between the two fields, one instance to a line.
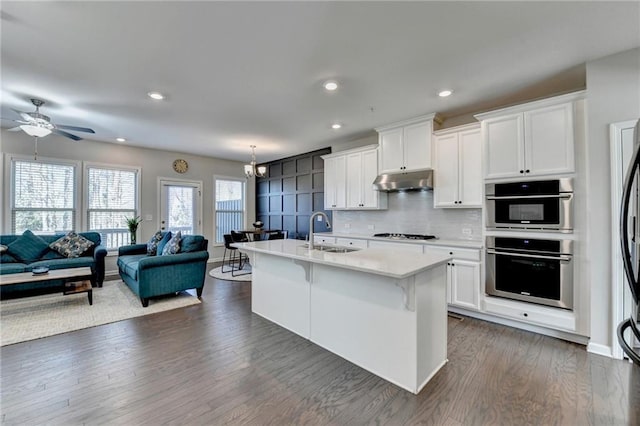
x=3, y=249
x=173, y=246
x=28, y=247
x=163, y=242
x=191, y=243
x=152, y=245
x=71, y=245
x=7, y=258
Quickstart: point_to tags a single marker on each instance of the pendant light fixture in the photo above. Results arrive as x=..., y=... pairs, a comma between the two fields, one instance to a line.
x=250, y=170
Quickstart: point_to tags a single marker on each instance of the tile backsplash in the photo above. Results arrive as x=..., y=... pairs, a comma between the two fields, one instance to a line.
x=412, y=213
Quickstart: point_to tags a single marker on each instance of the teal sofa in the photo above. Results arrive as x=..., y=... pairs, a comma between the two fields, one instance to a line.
x=156, y=275
x=93, y=258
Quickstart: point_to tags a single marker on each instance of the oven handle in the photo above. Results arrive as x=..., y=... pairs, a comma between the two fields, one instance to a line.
x=527, y=197
x=562, y=258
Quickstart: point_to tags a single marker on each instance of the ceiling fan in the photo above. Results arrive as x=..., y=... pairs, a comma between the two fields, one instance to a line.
x=40, y=125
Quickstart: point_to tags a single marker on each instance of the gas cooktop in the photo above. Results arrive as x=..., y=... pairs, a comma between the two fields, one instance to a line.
x=406, y=236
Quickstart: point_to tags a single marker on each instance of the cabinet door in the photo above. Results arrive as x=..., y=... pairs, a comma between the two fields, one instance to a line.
x=370, y=197
x=549, y=140
x=334, y=183
x=470, y=171
x=391, y=157
x=504, y=144
x=417, y=146
x=445, y=185
x=354, y=180
x=465, y=284
x=329, y=183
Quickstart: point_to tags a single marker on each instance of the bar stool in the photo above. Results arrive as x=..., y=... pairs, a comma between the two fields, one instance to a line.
x=233, y=259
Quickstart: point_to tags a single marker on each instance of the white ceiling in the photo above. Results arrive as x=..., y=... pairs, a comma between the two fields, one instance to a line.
x=242, y=73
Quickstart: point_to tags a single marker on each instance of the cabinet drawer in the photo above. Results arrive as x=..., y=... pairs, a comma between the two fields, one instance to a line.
x=318, y=239
x=549, y=317
x=348, y=242
x=414, y=248
x=456, y=253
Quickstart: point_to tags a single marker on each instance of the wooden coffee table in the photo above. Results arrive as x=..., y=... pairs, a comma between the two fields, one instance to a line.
x=77, y=280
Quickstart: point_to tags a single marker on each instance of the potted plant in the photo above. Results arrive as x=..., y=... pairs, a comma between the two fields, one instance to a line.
x=132, y=224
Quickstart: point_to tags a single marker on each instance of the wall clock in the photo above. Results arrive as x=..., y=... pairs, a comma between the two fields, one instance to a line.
x=180, y=165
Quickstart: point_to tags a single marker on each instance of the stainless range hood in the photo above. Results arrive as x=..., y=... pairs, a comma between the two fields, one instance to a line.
x=408, y=181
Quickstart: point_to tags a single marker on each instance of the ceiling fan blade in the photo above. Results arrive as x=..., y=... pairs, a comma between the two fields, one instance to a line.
x=66, y=134
x=14, y=129
x=74, y=128
x=24, y=115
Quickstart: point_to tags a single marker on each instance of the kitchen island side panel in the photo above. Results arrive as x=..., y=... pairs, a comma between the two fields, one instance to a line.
x=280, y=291
x=372, y=321
x=431, y=310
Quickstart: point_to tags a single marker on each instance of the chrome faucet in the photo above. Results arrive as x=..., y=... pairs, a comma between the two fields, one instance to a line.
x=313, y=216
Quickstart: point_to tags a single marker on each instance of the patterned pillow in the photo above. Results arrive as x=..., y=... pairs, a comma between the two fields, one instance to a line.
x=71, y=245
x=28, y=247
x=152, y=245
x=173, y=246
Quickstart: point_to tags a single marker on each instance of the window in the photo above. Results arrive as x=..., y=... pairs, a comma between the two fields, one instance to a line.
x=43, y=196
x=112, y=197
x=229, y=206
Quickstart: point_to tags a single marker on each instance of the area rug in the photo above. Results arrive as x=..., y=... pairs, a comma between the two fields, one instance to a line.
x=31, y=318
x=217, y=273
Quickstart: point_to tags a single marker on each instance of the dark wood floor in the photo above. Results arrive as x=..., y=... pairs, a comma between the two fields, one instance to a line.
x=216, y=363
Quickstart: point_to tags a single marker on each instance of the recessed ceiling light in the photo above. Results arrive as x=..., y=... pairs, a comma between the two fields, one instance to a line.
x=336, y=126
x=331, y=85
x=445, y=93
x=156, y=95
x=121, y=139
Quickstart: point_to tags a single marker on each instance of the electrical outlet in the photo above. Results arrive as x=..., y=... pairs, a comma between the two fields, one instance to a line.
x=371, y=227
x=347, y=225
x=467, y=231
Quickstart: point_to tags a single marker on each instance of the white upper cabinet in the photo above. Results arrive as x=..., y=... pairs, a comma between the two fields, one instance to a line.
x=534, y=139
x=351, y=187
x=406, y=146
x=458, y=167
x=334, y=182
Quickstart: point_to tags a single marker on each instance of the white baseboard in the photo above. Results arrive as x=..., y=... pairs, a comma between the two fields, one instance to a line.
x=598, y=349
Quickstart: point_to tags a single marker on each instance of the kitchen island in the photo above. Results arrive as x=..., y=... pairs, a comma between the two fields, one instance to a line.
x=383, y=311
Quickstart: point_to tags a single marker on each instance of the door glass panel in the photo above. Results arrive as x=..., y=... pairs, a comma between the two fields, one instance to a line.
x=180, y=209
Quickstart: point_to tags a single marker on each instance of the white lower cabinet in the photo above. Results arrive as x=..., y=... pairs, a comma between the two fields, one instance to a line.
x=464, y=284
x=349, y=242
x=463, y=276
x=319, y=239
x=414, y=248
x=559, y=319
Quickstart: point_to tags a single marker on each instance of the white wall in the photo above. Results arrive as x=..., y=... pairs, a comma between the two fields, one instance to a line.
x=153, y=163
x=613, y=95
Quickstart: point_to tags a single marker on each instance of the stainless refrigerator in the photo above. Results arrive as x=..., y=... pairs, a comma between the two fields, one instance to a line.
x=630, y=245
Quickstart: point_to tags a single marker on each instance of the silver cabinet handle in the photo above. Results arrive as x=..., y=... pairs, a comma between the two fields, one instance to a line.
x=562, y=258
x=529, y=197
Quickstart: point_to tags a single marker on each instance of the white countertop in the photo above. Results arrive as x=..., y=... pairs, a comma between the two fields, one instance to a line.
x=370, y=260
x=471, y=244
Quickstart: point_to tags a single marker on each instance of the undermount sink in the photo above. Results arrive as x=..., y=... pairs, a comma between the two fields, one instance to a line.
x=331, y=249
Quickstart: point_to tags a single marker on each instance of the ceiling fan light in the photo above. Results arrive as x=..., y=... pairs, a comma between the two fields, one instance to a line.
x=35, y=131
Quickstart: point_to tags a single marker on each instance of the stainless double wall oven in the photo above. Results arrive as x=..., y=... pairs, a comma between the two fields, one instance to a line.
x=531, y=270
x=526, y=267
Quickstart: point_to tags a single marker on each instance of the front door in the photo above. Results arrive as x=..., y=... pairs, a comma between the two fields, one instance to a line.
x=181, y=207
